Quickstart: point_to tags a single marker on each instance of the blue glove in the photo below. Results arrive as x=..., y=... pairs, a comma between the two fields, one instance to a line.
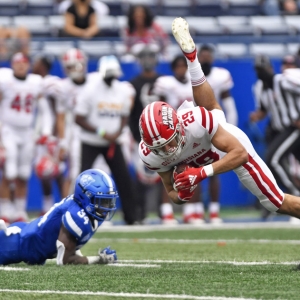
x=107, y=255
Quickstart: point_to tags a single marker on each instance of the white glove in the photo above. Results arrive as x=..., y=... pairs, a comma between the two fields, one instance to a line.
x=107, y=256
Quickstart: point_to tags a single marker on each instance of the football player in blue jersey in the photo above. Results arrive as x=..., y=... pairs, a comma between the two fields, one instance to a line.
x=66, y=227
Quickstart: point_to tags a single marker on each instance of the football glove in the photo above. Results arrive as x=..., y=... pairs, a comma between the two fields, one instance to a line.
x=185, y=195
x=189, y=178
x=107, y=256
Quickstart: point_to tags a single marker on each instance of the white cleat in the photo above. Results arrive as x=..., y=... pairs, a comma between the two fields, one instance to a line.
x=294, y=221
x=180, y=30
x=216, y=221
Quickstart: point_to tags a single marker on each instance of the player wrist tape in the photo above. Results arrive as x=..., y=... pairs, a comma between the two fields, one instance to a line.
x=209, y=170
x=93, y=259
x=101, y=132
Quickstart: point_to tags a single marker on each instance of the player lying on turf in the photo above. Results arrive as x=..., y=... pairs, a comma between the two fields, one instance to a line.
x=199, y=136
x=65, y=228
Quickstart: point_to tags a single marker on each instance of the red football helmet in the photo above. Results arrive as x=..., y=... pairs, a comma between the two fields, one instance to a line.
x=46, y=167
x=74, y=62
x=159, y=126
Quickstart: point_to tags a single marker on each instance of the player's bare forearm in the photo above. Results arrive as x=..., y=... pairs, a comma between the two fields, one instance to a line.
x=75, y=260
x=166, y=179
x=236, y=153
x=204, y=96
x=173, y=195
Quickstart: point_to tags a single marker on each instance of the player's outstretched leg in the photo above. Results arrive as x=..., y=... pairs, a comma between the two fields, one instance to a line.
x=203, y=94
x=181, y=33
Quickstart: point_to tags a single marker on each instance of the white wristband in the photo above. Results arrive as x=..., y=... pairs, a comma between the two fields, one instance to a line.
x=93, y=259
x=209, y=170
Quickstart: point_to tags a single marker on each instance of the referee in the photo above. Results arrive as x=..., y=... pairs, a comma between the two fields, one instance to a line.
x=279, y=99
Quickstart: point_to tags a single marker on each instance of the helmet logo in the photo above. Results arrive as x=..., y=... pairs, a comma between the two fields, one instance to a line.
x=86, y=179
x=167, y=116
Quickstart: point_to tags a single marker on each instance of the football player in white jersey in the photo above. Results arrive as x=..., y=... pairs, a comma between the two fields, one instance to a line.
x=21, y=95
x=168, y=138
x=102, y=111
x=175, y=90
x=74, y=62
x=42, y=65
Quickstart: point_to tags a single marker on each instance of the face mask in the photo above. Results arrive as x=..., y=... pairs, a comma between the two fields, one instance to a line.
x=206, y=68
x=148, y=62
x=108, y=80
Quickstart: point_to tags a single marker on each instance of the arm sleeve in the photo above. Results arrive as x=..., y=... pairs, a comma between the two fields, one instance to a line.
x=75, y=224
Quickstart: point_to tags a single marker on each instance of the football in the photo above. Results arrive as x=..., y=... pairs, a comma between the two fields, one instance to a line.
x=181, y=168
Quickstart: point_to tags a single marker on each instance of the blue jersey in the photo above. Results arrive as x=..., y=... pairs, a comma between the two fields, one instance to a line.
x=35, y=242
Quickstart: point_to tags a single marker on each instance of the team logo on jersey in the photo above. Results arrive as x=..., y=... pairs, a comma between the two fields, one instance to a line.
x=86, y=179
x=167, y=117
x=195, y=145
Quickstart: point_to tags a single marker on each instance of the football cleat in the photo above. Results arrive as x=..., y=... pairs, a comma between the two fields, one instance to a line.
x=215, y=219
x=194, y=219
x=169, y=220
x=180, y=30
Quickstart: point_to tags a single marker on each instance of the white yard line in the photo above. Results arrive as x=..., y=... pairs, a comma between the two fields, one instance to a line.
x=129, y=295
x=207, y=226
x=200, y=241
x=236, y=263
x=13, y=269
x=134, y=265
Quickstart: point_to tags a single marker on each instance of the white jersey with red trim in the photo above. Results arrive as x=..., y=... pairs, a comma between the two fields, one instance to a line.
x=220, y=81
x=173, y=91
x=200, y=126
x=19, y=98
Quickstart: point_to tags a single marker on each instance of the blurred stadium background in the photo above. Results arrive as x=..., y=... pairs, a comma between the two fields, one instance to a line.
x=238, y=30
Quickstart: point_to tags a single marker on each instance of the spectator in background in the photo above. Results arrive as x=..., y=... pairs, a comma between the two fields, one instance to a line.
x=80, y=20
x=13, y=40
x=288, y=7
x=101, y=9
x=142, y=29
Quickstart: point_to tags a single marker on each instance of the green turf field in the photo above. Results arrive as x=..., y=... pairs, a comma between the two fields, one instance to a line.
x=188, y=264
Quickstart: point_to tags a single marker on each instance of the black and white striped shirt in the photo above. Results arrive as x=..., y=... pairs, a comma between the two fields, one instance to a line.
x=282, y=103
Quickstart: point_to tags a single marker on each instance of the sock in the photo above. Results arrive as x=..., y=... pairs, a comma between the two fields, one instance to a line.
x=199, y=209
x=20, y=204
x=197, y=75
x=214, y=209
x=48, y=201
x=188, y=209
x=6, y=207
x=166, y=209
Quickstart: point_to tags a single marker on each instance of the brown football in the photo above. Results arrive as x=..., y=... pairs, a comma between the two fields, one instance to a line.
x=182, y=167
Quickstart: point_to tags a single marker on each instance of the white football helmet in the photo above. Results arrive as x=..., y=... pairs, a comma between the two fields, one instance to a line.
x=75, y=63
x=109, y=66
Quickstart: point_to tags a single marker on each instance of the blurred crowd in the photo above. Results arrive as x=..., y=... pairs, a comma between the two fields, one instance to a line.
x=58, y=127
